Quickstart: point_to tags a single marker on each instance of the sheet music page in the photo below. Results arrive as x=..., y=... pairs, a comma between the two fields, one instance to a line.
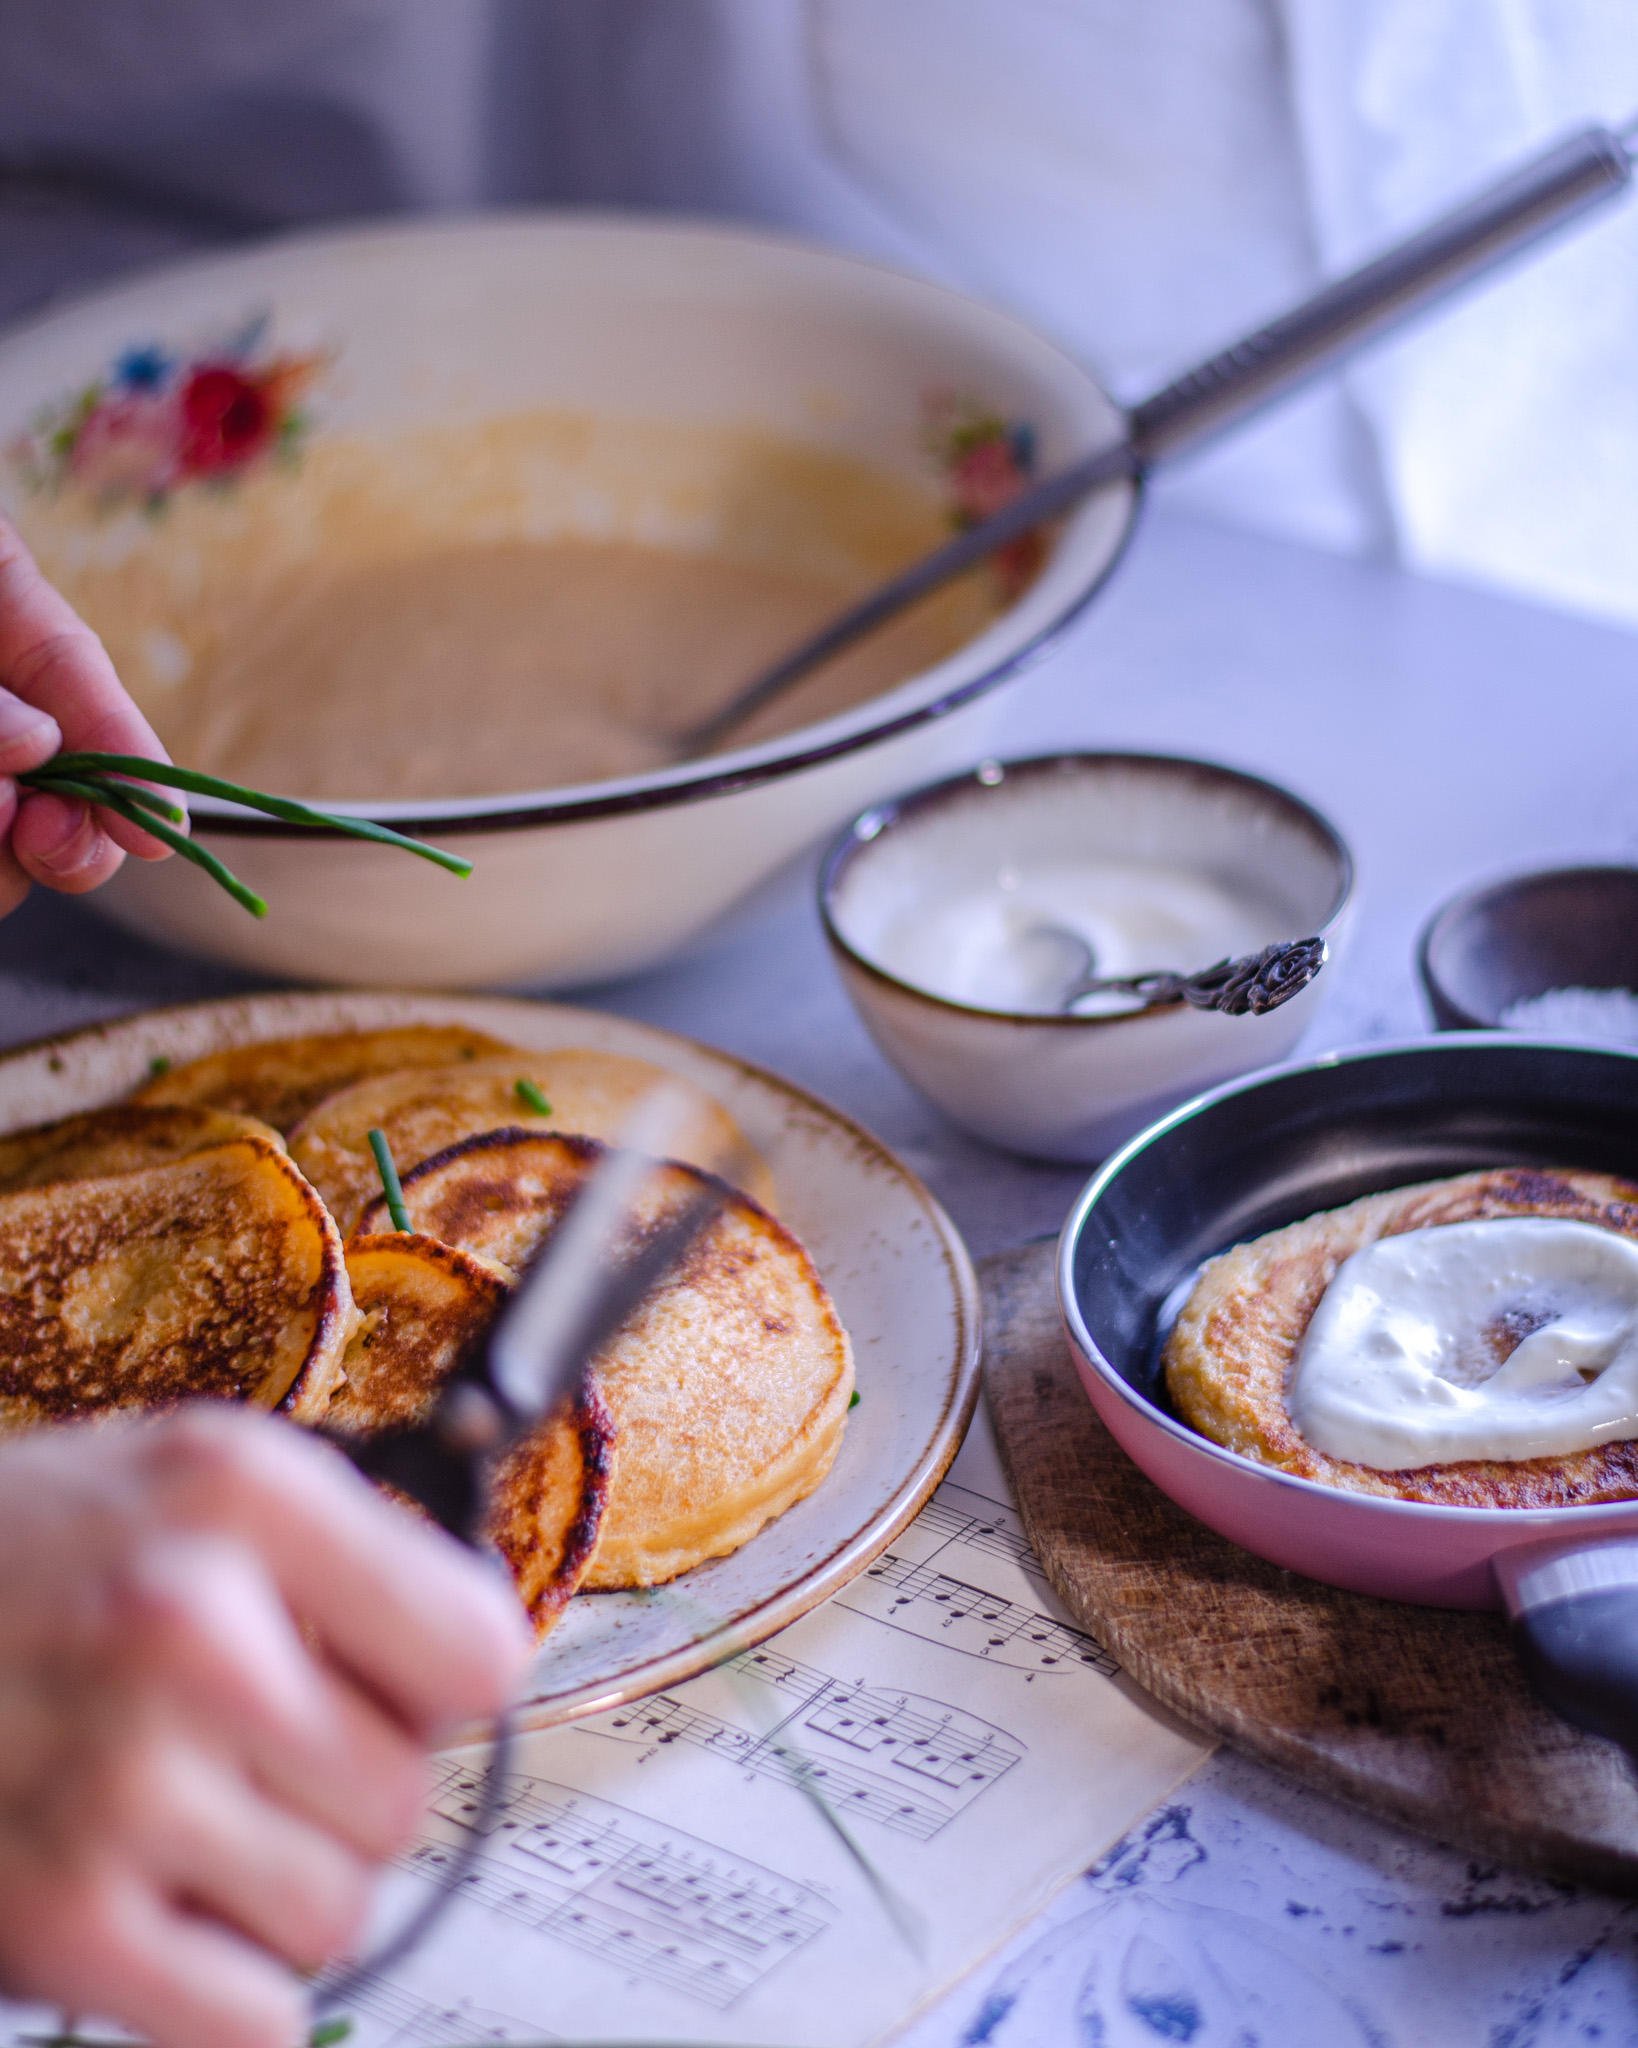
x=680, y=1869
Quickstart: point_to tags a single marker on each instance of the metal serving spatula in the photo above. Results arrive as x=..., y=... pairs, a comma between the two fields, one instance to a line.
x=592, y=1273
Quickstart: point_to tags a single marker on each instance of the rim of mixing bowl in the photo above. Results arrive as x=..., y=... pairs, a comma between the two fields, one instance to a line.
x=913, y=701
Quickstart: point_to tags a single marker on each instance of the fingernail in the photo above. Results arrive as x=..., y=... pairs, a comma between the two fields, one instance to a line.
x=74, y=847
x=27, y=736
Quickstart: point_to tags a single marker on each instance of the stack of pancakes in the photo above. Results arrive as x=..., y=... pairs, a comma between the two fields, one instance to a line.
x=222, y=1233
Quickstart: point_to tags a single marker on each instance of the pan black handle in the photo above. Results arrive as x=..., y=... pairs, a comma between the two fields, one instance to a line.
x=1586, y=167
x=1575, y=1629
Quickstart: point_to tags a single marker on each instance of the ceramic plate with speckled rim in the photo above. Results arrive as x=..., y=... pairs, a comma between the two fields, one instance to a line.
x=898, y=1272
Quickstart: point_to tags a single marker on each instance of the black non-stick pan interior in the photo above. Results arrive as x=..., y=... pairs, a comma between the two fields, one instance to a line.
x=1276, y=1149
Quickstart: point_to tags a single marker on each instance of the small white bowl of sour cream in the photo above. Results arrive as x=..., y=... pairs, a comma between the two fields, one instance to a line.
x=935, y=905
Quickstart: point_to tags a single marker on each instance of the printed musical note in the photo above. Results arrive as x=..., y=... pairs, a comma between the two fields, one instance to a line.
x=403, y=2020
x=960, y=1516
x=654, y=1902
x=975, y=1621
x=927, y=1761
x=925, y=1586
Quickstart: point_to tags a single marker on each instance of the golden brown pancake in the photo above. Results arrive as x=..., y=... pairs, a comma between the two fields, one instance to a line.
x=123, y=1139
x=427, y=1110
x=424, y=1311
x=727, y=1390
x=218, y=1275
x=548, y=1501
x=1230, y=1355
x=496, y=1195
x=281, y=1079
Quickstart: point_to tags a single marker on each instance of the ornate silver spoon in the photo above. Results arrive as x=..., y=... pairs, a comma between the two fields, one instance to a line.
x=1249, y=986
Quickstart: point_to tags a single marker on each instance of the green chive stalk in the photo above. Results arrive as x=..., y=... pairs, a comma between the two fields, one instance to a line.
x=116, y=782
x=325, y=2035
x=391, y=1186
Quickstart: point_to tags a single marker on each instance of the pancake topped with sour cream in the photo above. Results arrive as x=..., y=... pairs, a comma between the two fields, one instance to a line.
x=1480, y=1371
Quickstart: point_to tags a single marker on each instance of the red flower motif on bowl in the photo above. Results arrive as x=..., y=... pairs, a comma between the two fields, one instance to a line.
x=157, y=421
x=987, y=461
x=227, y=420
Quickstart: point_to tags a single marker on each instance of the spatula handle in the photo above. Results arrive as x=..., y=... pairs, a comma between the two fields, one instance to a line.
x=1575, y=1629
x=1585, y=168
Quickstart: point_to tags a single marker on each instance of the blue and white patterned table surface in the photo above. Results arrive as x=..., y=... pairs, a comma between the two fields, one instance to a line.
x=1451, y=735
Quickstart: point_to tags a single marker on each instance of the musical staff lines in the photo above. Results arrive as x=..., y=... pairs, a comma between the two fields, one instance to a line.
x=925, y=1586
x=404, y=2020
x=651, y=1901
x=978, y=1622
x=959, y=1516
x=907, y=1763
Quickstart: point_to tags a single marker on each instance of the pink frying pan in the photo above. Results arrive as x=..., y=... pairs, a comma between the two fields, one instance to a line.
x=1260, y=1153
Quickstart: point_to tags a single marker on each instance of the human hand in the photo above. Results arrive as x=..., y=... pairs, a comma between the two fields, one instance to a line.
x=58, y=689
x=223, y=1658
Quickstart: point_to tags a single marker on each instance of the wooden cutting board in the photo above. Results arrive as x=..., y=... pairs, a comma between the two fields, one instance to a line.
x=1415, y=1713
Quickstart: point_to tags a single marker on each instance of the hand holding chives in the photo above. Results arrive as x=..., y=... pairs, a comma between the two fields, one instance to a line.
x=108, y=780
x=58, y=688
x=82, y=760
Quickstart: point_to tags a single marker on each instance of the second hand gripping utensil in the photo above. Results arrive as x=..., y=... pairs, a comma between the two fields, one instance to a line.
x=592, y=1273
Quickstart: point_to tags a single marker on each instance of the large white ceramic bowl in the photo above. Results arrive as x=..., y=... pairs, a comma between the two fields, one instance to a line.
x=1074, y=1087
x=455, y=326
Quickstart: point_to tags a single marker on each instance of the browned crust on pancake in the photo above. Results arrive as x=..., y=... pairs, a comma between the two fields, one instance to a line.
x=125, y=1138
x=548, y=1497
x=281, y=1079
x=496, y=1195
x=219, y=1275
x=1229, y=1358
x=728, y=1388
x=424, y=1111
x=424, y=1310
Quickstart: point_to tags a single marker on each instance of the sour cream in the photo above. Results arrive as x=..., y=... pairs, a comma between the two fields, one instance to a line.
x=983, y=942
x=1399, y=1365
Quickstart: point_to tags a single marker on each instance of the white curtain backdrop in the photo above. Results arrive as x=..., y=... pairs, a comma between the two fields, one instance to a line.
x=1144, y=179
x=1507, y=430
x=1147, y=180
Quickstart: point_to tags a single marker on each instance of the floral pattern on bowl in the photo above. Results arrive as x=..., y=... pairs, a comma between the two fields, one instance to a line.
x=987, y=461
x=158, y=420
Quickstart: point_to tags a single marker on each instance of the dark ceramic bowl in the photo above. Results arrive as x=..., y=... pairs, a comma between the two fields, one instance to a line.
x=1509, y=941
